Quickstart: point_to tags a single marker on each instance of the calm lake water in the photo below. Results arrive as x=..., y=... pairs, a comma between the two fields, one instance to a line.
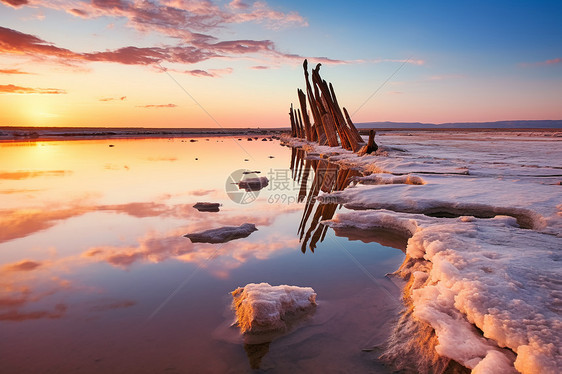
x=96, y=275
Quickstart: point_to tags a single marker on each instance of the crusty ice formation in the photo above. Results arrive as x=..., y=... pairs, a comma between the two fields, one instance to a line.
x=487, y=278
x=262, y=308
x=222, y=234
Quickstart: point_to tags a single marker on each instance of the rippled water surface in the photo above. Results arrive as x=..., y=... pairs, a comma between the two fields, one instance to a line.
x=96, y=275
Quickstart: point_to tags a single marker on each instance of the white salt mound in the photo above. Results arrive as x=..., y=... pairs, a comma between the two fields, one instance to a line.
x=262, y=308
x=222, y=234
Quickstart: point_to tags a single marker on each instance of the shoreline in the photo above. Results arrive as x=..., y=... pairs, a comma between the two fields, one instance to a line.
x=18, y=133
x=90, y=133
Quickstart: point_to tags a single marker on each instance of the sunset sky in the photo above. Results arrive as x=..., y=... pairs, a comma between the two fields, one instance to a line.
x=189, y=63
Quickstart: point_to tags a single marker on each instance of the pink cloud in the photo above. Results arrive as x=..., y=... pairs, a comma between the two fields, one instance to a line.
x=157, y=247
x=211, y=73
x=175, y=18
x=202, y=48
x=259, y=11
x=553, y=61
x=260, y=67
x=19, y=223
x=238, y=4
x=18, y=43
x=202, y=192
x=24, y=265
x=15, y=3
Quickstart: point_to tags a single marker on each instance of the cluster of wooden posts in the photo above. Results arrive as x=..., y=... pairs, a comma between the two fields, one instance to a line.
x=331, y=126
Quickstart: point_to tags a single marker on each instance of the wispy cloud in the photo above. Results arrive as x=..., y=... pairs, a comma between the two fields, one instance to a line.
x=445, y=77
x=113, y=98
x=408, y=61
x=20, y=175
x=210, y=73
x=157, y=106
x=557, y=60
x=191, y=22
x=13, y=71
x=15, y=3
x=260, y=67
x=24, y=265
x=553, y=61
x=10, y=88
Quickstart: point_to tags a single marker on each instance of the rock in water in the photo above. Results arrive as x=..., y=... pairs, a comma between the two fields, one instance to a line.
x=222, y=234
x=262, y=308
x=207, y=207
x=253, y=184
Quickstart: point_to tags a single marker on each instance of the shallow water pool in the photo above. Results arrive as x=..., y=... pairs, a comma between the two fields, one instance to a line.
x=96, y=275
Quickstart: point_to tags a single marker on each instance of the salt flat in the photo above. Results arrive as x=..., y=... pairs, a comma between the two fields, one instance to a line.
x=484, y=215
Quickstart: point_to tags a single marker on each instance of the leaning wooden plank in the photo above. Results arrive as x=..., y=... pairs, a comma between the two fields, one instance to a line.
x=293, y=127
x=305, y=118
x=322, y=138
x=353, y=128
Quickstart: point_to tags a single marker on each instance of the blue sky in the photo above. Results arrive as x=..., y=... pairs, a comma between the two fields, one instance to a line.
x=466, y=61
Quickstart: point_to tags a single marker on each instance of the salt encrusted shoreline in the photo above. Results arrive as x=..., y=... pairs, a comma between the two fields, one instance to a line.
x=468, y=274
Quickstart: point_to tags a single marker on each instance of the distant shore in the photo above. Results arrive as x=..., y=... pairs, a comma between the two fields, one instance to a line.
x=78, y=133
x=17, y=133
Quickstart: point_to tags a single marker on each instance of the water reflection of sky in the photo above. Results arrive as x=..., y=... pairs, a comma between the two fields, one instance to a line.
x=92, y=252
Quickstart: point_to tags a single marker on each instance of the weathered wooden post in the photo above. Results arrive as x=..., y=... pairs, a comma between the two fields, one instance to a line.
x=331, y=125
x=371, y=145
x=293, y=127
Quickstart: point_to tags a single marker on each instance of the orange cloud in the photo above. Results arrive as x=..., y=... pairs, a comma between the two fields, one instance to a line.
x=19, y=175
x=24, y=265
x=10, y=88
x=17, y=191
x=13, y=71
x=113, y=98
x=157, y=106
x=23, y=222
